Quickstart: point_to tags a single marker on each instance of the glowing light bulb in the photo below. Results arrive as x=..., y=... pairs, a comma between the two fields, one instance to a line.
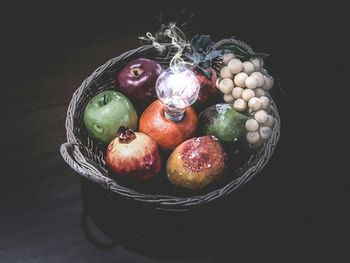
x=177, y=88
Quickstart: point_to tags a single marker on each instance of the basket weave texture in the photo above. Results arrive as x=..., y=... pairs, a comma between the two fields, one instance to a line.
x=87, y=158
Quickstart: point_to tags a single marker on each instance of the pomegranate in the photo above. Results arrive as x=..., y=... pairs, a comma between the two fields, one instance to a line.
x=134, y=155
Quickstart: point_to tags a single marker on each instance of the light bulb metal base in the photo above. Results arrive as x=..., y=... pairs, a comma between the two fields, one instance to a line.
x=174, y=118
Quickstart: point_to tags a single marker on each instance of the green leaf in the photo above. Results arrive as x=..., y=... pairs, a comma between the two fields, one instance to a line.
x=237, y=51
x=213, y=54
x=241, y=53
x=200, y=43
x=206, y=73
x=195, y=57
x=189, y=55
x=261, y=55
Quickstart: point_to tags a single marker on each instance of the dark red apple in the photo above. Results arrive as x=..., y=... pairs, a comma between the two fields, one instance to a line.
x=208, y=86
x=137, y=81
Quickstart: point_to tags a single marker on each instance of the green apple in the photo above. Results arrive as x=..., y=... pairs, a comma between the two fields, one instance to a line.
x=106, y=112
x=223, y=121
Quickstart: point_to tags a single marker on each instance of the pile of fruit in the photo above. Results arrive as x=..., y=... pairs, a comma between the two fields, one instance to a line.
x=120, y=119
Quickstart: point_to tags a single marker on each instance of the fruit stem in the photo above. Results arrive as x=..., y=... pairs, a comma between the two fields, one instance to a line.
x=125, y=135
x=104, y=99
x=136, y=72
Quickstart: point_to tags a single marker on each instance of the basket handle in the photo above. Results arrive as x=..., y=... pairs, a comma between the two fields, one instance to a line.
x=70, y=156
x=76, y=160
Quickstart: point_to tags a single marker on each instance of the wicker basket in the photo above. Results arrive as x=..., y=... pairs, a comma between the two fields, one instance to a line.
x=86, y=156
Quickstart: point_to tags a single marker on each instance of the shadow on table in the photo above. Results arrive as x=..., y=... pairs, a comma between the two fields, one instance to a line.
x=159, y=234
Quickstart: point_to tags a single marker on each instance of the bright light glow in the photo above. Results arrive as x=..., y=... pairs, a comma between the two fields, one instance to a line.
x=177, y=88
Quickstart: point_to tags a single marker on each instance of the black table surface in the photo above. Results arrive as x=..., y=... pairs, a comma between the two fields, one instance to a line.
x=295, y=209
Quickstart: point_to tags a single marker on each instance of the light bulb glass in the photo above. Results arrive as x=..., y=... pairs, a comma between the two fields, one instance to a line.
x=177, y=88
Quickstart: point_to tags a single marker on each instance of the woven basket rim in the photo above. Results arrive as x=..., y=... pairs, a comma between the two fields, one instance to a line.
x=163, y=200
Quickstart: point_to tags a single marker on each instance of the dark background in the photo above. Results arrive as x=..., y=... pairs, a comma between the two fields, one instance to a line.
x=296, y=209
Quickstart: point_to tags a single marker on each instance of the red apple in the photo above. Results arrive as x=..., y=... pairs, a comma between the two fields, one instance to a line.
x=208, y=86
x=137, y=81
